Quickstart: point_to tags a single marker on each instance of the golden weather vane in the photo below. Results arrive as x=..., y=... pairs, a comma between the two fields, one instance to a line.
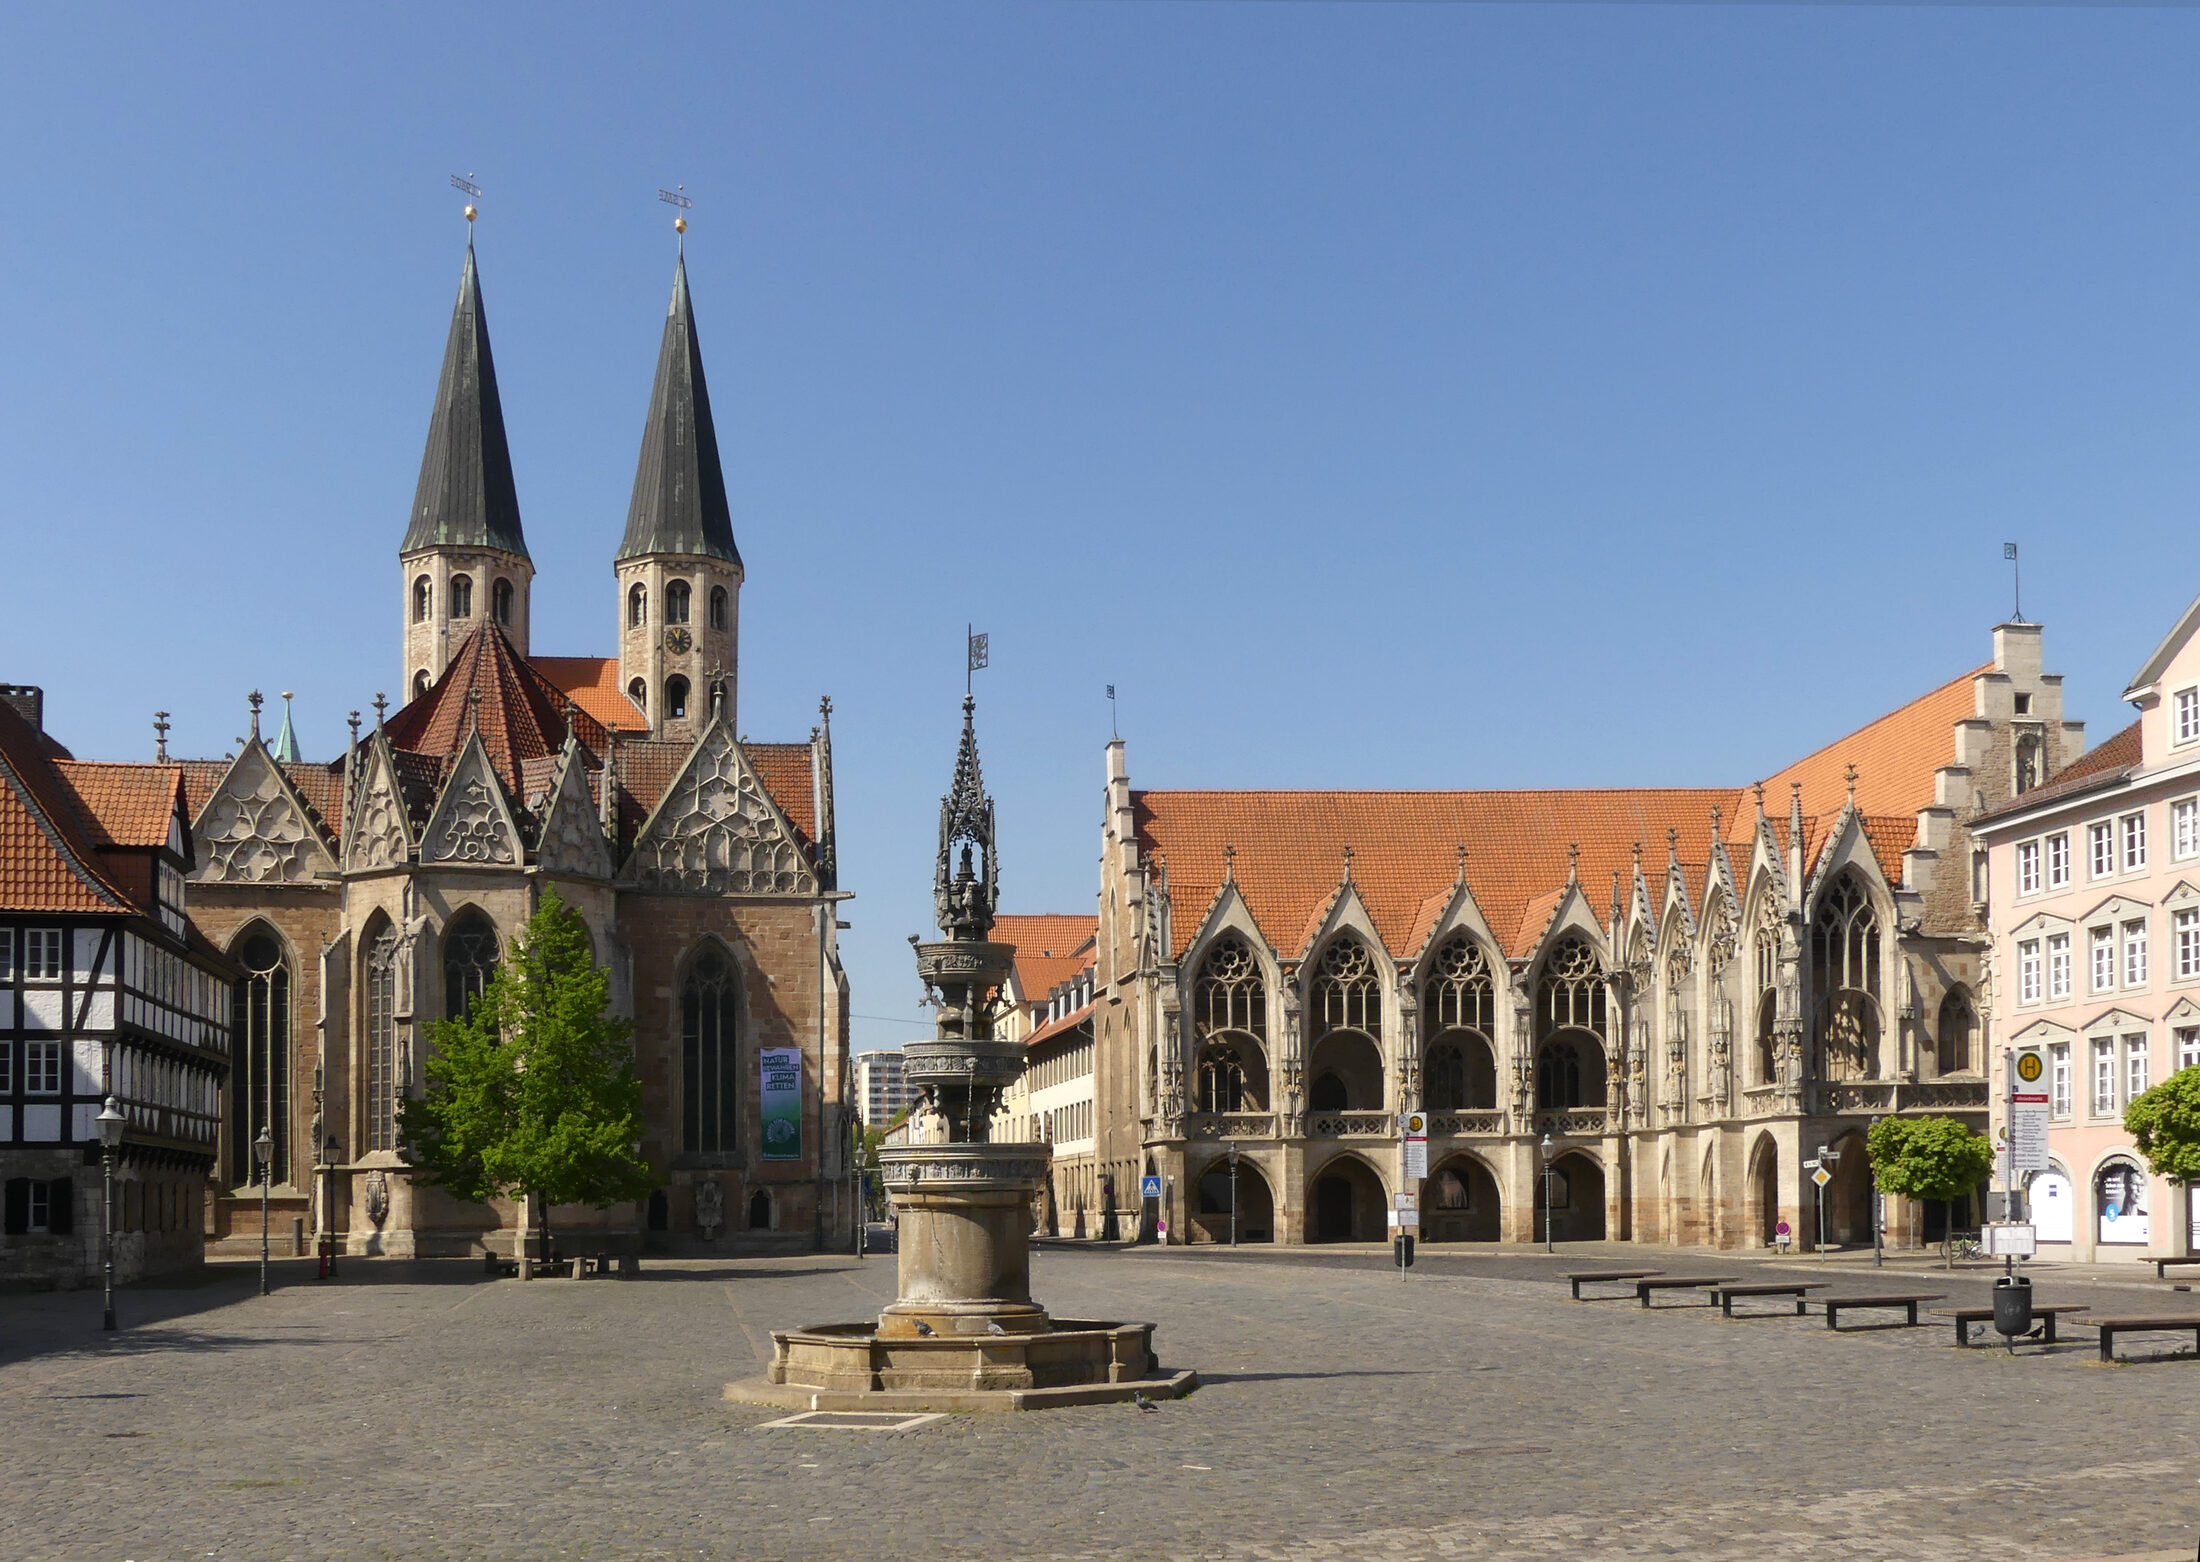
x=466, y=182
x=678, y=196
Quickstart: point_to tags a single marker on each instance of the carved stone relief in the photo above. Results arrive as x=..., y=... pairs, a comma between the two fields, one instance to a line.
x=572, y=839
x=718, y=831
x=254, y=831
x=378, y=835
x=471, y=823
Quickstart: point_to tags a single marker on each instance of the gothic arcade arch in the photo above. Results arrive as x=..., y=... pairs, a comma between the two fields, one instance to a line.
x=1346, y=1201
x=1571, y=1026
x=1764, y=1190
x=1459, y=1012
x=1229, y=1014
x=1211, y=1196
x=1462, y=1202
x=1845, y=979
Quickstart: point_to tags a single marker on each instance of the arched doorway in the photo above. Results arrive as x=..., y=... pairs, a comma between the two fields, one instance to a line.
x=1849, y=1195
x=1461, y=1203
x=1764, y=1190
x=1347, y=1203
x=760, y=1211
x=1576, y=1186
x=1707, y=1199
x=1256, y=1208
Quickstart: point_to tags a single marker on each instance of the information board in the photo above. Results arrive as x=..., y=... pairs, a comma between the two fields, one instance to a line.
x=2028, y=1130
x=1416, y=1143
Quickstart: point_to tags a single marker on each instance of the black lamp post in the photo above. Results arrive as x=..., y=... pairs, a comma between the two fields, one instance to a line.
x=111, y=1123
x=263, y=1151
x=1233, y=1192
x=1549, y=1245
x=331, y=1153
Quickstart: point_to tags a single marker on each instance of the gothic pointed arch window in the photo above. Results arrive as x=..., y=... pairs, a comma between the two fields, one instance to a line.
x=1571, y=1025
x=637, y=605
x=1222, y=1079
x=1844, y=960
x=676, y=602
x=383, y=1061
x=1348, y=994
x=1459, y=1007
x=676, y=697
x=423, y=599
x=718, y=607
x=710, y=1064
x=1766, y=947
x=500, y=602
x=462, y=596
x=1957, y=1034
x=259, y=1050
x=469, y=959
x=1230, y=995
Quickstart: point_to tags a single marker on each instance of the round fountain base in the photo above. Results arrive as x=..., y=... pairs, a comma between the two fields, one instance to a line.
x=853, y=1366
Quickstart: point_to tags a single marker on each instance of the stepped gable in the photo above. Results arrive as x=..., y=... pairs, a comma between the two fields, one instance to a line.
x=648, y=767
x=2116, y=758
x=1051, y=948
x=592, y=683
x=520, y=712
x=122, y=804
x=1290, y=848
x=47, y=860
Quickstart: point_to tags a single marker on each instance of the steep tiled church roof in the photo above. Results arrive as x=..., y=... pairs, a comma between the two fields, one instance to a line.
x=466, y=495
x=320, y=786
x=679, y=503
x=592, y=683
x=520, y=712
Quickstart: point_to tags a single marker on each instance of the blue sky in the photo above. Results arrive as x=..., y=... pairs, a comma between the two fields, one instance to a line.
x=1421, y=395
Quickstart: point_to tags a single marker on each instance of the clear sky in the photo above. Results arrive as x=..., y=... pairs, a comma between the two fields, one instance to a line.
x=1419, y=395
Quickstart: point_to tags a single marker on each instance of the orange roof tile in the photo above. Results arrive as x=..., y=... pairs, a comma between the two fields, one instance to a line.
x=47, y=863
x=649, y=766
x=592, y=683
x=1074, y=1020
x=123, y=804
x=1051, y=947
x=520, y=713
x=1290, y=850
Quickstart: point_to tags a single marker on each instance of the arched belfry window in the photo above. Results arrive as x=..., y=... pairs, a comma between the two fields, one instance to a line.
x=710, y=1066
x=462, y=596
x=1844, y=960
x=382, y=1057
x=259, y=1049
x=423, y=599
x=676, y=602
x=500, y=602
x=676, y=697
x=1958, y=1033
x=469, y=960
x=420, y=683
x=637, y=605
x=1348, y=995
x=1230, y=995
x=1459, y=1008
x=638, y=692
x=718, y=607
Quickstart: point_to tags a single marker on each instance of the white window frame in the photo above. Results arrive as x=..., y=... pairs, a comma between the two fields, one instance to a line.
x=2135, y=953
x=2185, y=716
x=2058, y=965
x=2137, y=1066
x=42, y=1068
x=2028, y=971
x=2058, y=1079
x=2184, y=925
x=2131, y=832
x=2101, y=849
x=2101, y=958
x=2028, y=867
x=2184, y=828
x=45, y=953
x=2188, y=1047
x=39, y=1217
x=2058, y=860
x=2104, y=1076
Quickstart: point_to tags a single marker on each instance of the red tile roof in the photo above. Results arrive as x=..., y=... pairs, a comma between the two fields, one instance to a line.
x=521, y=714
x=1074, y=1020
x=123, y=804
x=1051, y=948
x=47, y=861
x=321, y=785
x=592, y=683
x=649, y=766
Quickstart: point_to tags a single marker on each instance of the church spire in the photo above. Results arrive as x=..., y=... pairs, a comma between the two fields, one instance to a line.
x=679, y=503
x=466, y=496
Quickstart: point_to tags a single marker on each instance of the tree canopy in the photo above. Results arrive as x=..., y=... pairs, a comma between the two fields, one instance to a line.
x=1928, y=1157
x=2164, y=1123
x=533, y=1090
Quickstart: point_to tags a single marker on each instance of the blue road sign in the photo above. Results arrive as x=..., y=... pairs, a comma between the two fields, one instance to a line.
x=1149, y=1187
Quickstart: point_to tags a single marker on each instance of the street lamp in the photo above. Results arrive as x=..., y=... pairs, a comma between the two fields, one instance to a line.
x=332, y=1152
x=1548, y=1244
x=263, y=1151
x=111, y=1123
x=1233, y=1150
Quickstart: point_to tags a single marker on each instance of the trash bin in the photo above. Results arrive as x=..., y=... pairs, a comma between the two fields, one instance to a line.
x=2012, y=1306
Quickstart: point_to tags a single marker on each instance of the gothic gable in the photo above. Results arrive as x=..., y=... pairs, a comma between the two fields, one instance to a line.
x=572, y=837
x=255, y=829
x=719, y=832
x=378, y=834
x=472, y=825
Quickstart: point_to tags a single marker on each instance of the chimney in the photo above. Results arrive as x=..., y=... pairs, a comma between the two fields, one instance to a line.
x=29, y=701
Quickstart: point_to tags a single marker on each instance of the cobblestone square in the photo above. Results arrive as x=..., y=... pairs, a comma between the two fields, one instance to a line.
x=1469, y=1411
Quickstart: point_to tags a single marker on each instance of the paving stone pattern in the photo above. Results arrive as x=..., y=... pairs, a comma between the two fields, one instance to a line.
x=1471, y=1411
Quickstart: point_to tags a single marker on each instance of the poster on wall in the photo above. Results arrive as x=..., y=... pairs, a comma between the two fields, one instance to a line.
x=2120, y=1194
x=781, y=1068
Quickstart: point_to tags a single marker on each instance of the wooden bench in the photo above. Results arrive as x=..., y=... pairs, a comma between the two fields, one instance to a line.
x=1644, y=1287
x=1577, y=1281
x=1837, y=1305
x=1966, y=1316
x=2166, y=1324
x=2162, y=1266
x=1724, y=1294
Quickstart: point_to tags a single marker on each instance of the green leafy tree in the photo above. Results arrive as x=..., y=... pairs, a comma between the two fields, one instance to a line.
x=1929, y=1158
x=2165, y=1124
x=534, y=1090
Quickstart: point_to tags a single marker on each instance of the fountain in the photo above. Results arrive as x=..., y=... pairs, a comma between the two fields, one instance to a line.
x=964, y=1333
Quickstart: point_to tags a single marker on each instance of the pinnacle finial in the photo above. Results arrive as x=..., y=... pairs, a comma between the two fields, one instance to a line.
x=381, y=705
x=1462, y=850
x=352, y=721
x=255, y=699
x=1849, y=775
x=1673, y=843
x=1348, y=865
x=1759, y=789
x=1573, y=862
x=160, y=736
x=1229, y=864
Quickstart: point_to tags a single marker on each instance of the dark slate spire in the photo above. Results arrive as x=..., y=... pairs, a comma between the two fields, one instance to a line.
x=466, y=497
x=679, y=487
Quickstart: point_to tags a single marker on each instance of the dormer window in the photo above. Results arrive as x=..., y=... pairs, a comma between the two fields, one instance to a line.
x=500, y=602
x=676, y=602
x=462, y=596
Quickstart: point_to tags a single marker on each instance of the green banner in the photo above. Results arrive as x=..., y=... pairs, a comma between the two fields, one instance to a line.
x=781, y=1068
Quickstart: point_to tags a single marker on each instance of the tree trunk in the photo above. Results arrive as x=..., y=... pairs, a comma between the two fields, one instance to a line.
x=548, y=1256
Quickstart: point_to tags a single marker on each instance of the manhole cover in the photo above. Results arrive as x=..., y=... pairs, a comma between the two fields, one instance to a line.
x=852, y=1421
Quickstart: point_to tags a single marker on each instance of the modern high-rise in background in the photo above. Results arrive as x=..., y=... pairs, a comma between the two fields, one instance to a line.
x=881, y=1092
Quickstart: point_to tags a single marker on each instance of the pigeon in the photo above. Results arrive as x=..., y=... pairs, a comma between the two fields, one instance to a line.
x=1141, y=1401
x=993, y=1326
x=925, y=1329
x=2036, y=1333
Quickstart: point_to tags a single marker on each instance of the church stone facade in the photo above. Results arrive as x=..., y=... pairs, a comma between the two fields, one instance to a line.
x=1677, y=995
x=366, y=898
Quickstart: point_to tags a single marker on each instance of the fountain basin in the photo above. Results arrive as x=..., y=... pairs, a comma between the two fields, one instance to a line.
x=851, y=1366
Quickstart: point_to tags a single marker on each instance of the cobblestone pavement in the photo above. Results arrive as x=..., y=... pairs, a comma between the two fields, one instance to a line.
x=420, y=1411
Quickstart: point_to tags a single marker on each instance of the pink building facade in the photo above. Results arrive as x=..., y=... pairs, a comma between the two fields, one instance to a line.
x=2093, y=885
